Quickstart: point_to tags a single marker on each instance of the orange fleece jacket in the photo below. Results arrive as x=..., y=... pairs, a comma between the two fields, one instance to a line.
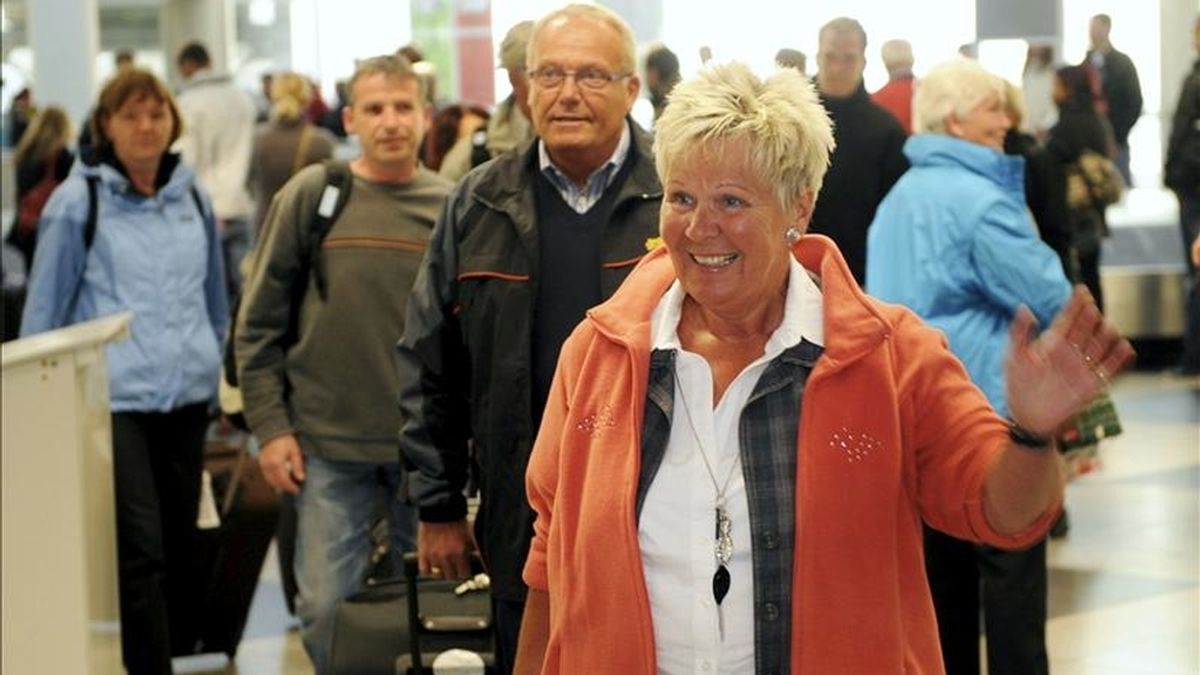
x=892, y=431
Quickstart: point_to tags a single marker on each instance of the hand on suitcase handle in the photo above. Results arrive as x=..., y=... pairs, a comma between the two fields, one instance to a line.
x=282, y=463
x=442, y=549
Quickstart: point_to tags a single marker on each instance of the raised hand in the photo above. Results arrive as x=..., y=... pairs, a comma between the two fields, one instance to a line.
x=1051, y=378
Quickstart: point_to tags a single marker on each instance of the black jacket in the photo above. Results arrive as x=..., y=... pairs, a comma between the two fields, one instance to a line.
x=465, y=356
x=868, y=160
x=1122, y=91
x=1046, y=196
x=1182, y=167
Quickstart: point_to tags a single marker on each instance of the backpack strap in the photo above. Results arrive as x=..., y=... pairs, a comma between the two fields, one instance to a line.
x=208, y=231
x=89, y=225
x=338, y=183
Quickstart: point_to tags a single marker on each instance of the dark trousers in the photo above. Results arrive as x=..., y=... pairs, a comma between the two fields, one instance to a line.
x=1189, y=229
x=1089, y=274
x=1010, y=586
x=157, y=460
x=506, y=615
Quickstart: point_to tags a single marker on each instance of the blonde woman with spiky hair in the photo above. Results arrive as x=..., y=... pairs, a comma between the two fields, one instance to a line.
x=739, y=447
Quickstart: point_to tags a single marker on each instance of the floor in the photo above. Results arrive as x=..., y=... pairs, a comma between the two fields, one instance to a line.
x=1124, y=582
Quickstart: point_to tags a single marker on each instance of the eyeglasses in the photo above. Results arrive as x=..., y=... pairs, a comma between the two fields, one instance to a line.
x=552, y=77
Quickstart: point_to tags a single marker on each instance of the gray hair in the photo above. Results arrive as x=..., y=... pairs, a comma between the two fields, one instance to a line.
x=780, y=116
x=896, y=54
x=598, y=13
x=955, y=87
x=391, y=66
x=512, y=49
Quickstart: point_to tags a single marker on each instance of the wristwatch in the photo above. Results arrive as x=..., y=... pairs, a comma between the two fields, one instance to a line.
x=1026, y=438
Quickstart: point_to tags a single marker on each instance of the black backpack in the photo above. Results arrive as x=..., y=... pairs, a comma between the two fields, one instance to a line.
x=338, y=183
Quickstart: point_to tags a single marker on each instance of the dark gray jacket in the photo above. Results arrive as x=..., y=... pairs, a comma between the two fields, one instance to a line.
x=465, y=356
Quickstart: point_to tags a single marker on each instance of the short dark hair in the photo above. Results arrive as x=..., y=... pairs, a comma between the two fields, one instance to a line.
x=1104, y=19
x=665, y=62
x=195, y=53
x=392, y=66
x=123, y=56
x=844, y=25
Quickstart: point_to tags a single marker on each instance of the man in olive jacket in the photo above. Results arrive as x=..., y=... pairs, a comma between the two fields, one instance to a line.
x=526, y=244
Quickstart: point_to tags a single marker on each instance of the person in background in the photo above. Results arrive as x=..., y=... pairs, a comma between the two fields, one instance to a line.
x=333, y=118
x=792, y=58
x=1081, y=128
x=1045, y=185
x=42, y=160
x=154, y=253
x=218, y=136
x=19, y=115
x=286, y=143
x=453, y=124
x=1181, y=173
x=896, y=96
x=1120, y=86
x=739, y=447
x=527, y=244
x=868, y=157
x=662, y=74
x=508, y=126
x=953, y=242
x=1037, y=86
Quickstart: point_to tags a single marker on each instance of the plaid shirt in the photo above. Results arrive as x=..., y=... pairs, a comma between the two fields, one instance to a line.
x=583, y=199
x=768, y=432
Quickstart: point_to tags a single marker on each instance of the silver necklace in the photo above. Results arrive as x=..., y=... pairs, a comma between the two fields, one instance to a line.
x=723, y=545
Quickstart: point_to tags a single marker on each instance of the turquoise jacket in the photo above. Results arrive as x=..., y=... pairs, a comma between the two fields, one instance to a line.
x=158, y=257
x=954, y=242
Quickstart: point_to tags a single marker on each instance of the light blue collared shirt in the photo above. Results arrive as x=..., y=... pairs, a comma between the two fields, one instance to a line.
x=582, y=199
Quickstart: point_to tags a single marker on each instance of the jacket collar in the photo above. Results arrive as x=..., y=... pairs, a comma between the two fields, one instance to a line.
x=853, y=324
x=203, y=77
x=174, y=177
x=507, y=186
x=941, y=150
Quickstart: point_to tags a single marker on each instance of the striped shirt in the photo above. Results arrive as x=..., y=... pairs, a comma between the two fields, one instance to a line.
x=582, y=199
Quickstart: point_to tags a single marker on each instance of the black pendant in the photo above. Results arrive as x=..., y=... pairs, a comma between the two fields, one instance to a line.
x=720, y=583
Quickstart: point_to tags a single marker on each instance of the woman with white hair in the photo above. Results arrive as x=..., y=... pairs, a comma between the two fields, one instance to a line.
x=739, y=447
x=954, y=242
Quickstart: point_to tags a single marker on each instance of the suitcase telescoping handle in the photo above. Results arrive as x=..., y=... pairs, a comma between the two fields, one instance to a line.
x=412, y=575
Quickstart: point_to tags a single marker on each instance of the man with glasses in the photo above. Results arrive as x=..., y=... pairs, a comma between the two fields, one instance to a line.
x=527, y=243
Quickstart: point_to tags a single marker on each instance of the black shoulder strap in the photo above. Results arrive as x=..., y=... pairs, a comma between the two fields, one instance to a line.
x=89, y=225
x=338, y=183
x=208, y=231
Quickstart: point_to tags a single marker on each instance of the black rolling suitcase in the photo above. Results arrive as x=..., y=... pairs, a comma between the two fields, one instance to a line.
x=401, y=626
x=229, y=558
x=439, y=619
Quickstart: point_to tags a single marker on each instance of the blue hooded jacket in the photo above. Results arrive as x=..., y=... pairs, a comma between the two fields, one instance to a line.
x=954, y=242
x=150, y=255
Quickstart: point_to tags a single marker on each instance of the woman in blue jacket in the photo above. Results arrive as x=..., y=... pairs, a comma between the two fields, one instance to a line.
x=151, y=252
x=954, y=241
